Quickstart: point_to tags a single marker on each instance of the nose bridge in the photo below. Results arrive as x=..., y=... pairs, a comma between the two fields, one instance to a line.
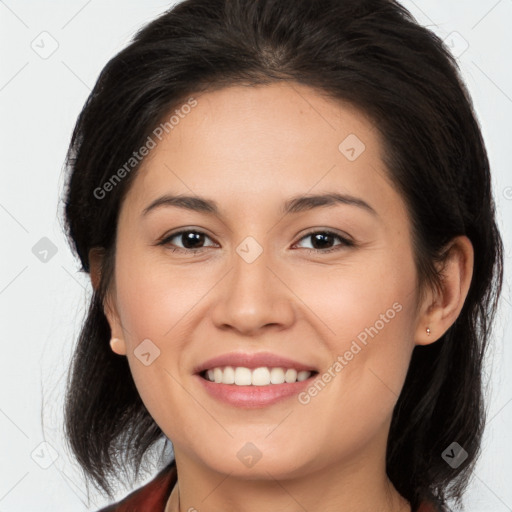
x=251, y=279
x=252, y=296
x=250, y=267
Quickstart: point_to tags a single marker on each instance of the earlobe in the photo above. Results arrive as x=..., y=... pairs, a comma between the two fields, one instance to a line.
x=443, y=308
x=117, y=342
x=118, y=346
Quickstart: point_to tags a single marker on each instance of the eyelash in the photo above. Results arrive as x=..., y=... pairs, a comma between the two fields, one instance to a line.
x=345, y=242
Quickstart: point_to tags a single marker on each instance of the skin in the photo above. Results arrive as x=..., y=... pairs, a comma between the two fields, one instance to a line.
x=250, y=149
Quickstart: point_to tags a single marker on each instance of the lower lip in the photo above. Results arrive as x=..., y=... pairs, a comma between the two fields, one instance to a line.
x=252, y=397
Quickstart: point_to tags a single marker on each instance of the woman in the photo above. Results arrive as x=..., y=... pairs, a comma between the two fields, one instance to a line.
x=344, y=374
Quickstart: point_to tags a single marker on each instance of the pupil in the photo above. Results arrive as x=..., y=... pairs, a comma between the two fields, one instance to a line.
x=189, y=238
x=319, y=237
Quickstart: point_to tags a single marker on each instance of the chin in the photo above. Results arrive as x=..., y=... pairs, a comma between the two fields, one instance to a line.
x=251, y=463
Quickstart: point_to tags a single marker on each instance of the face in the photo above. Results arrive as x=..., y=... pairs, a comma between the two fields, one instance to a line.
x=331, y=286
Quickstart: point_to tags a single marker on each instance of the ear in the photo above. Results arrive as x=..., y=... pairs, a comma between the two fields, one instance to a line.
x=118, y=345
x=440, y=309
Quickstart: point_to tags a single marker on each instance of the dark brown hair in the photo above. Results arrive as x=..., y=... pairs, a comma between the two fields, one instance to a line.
x=371, y=53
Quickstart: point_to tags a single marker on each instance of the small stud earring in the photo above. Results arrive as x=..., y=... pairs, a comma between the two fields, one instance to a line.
x=428, y=331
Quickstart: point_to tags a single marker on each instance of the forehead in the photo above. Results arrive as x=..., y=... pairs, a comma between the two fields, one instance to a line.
x=250, y=145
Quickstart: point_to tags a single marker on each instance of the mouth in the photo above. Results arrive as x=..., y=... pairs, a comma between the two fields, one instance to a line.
x=262, y=376
x=254, y=388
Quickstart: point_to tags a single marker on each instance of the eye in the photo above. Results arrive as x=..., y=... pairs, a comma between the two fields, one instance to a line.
x=190, y=242
x=325, y=238
x=195, y=238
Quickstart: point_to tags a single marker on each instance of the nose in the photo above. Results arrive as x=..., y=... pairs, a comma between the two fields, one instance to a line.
x=253, y=297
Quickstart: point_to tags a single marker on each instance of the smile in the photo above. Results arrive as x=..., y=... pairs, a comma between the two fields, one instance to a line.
x=263, y=376
x=244, y=388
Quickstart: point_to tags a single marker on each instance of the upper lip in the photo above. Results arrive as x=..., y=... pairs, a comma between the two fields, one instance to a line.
x=254, y=360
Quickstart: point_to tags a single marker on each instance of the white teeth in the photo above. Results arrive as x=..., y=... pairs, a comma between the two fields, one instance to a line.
x=303, y=375
x=277, y=376
x=242, y=377
x=228, y=376
x=263, y=376
x=217, y=375
x=290, y=376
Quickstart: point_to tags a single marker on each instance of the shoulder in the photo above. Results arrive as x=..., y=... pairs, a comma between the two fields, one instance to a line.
x=151, y=496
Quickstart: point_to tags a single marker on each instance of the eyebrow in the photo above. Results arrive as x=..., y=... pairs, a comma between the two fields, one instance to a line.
x=295, y=204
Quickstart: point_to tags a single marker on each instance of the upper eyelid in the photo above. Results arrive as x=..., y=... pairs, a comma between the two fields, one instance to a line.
x=188, y=230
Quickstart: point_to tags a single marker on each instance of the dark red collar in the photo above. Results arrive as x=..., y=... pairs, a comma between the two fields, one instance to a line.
x=152, y=496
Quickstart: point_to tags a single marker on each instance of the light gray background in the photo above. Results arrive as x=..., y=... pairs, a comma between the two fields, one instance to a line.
x=42, y=303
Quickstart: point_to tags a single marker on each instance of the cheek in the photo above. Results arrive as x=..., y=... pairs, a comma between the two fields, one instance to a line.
x=362, y=302
x=159, y=303
x=370, y=314
x=353, y=398
x=154, y=300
